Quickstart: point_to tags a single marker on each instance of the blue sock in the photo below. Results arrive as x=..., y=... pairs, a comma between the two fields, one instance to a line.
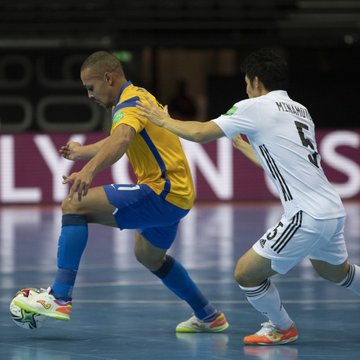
x=72, y=242
x=177, y=279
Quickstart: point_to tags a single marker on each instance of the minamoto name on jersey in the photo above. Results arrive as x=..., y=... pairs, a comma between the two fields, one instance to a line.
x=294, y=109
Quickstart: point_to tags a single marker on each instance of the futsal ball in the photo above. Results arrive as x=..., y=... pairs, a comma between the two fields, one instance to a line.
x=23, y=318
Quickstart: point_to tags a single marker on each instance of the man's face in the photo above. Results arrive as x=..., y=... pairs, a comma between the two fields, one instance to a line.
x=98, y=88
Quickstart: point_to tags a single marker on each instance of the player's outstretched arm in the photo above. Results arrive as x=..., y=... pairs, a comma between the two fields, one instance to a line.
x=240, y=144
x=196, y=131
x=110, y=152
x=75, y=151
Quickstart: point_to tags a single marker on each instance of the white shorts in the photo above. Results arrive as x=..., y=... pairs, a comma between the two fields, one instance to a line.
x=290, y=241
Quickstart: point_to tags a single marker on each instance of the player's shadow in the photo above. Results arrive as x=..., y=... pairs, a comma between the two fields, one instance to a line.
x=278, y=352
x=204, y=343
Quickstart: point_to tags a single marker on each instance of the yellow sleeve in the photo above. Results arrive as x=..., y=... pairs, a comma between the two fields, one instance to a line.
x=129, y=116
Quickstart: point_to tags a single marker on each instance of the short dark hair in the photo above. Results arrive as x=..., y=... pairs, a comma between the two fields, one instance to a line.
x=269, y=66
x=102, y=61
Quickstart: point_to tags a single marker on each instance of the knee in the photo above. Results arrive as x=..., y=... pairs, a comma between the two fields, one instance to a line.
x=242, y=277
x=70, y=206
x=140, y=256
x=249, y=277
x=145, y=259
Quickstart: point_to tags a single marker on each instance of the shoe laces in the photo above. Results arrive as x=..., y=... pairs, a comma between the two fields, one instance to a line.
x=266, y=328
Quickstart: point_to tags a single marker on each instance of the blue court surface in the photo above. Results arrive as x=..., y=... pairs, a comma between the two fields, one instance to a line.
x=121, y=311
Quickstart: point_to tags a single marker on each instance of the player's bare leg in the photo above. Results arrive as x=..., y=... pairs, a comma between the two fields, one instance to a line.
x=94, y=206
x=252, y=269
x=147, y=254
x=334, y=273
x=345, y=274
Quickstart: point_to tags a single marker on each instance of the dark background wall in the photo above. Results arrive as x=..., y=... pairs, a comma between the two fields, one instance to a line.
x=42, y=45
x=323, y=79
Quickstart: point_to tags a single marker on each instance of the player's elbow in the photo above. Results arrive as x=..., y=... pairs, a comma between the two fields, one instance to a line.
x=199, y=137
x=205, y=132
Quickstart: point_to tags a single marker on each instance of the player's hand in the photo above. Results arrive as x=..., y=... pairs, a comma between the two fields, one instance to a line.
x=239, y=142
x=245, y=148
x=70, y=151
x=153, y=112
x=80, y=183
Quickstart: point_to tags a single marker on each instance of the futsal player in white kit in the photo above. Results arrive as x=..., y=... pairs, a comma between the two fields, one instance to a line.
x=282, y=138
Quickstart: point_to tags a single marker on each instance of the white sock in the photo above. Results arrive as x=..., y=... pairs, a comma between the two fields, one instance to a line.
x=265, y=298
x=352, y=279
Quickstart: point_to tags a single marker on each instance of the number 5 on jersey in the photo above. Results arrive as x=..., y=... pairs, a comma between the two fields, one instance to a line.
x=307, y=142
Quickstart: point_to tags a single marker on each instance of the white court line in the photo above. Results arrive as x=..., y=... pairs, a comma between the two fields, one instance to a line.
x=327, y=301
x=159, y=283
x=235, y=302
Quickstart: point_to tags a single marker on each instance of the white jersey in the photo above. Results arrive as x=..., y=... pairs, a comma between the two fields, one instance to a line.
x=281, y=133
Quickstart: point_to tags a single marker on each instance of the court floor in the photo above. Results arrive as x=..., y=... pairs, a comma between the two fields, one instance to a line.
x=121, y=311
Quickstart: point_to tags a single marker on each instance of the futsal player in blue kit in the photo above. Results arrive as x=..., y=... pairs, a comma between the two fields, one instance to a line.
x=163, y=195
x=282, y=138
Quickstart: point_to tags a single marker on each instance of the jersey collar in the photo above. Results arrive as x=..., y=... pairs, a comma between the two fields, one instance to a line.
x=128, y=83
x=279, y=92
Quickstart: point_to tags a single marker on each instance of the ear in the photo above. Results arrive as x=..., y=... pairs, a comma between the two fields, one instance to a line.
x=108, y=78
x=259, y=85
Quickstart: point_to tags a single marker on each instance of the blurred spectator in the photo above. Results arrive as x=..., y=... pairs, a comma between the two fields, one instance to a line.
x=182, y=105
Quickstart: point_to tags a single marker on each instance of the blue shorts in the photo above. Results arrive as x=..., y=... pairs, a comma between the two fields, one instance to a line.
x=138, y=207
